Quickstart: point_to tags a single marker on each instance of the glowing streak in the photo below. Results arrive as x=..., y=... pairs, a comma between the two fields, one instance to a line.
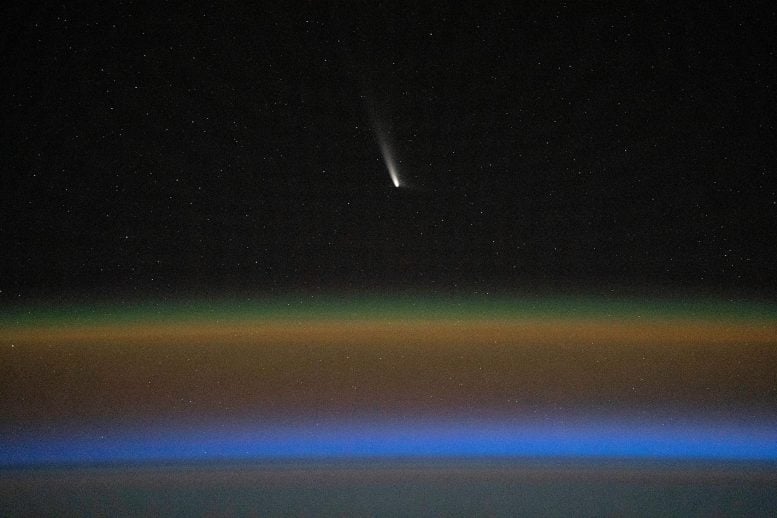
x=389, y=160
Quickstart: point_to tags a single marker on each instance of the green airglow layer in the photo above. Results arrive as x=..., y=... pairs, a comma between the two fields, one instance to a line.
x=387, y=308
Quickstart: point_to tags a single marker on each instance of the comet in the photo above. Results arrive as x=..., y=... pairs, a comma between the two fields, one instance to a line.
x=382, y=131
x=388, y=159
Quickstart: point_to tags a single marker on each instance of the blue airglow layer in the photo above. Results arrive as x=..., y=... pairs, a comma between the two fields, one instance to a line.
x=688, y=441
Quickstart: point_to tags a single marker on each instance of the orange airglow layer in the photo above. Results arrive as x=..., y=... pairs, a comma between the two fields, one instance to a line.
x=481, y=332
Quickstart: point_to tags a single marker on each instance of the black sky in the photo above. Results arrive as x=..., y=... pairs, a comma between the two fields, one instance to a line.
x=167, y=150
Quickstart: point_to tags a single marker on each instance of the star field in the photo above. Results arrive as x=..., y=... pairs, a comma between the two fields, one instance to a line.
x=155, y=151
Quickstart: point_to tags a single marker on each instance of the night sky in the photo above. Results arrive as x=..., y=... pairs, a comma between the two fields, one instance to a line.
x=249, y=234
x=168, y=151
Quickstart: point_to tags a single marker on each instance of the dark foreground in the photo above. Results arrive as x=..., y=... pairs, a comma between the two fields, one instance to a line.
x=395, y=489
